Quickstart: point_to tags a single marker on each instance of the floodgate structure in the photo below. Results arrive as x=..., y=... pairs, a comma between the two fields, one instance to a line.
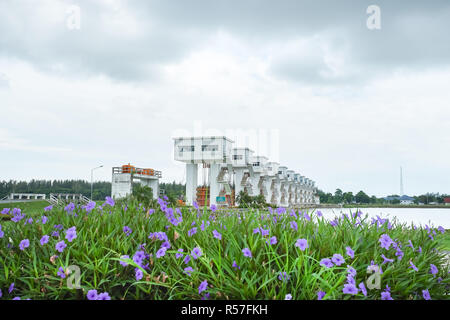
x=226, y=171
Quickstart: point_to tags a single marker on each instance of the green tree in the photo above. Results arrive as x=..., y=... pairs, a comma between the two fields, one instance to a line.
x=338, y=196
x=348, y=197
x=361, y=197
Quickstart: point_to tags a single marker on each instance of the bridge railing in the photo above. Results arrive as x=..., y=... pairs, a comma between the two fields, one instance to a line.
x=141, y=171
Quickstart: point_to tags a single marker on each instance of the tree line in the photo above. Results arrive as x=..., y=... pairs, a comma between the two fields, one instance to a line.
x=101, y=189
x=361, y=197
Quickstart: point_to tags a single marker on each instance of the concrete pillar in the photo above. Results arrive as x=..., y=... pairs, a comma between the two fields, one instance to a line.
x=154, y=184
x=268, y=184
x=238, y=175
x=213, y=184
x=191, y=182
x=255, y=181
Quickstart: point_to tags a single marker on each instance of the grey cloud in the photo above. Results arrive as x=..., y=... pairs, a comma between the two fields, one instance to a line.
x=413, y=35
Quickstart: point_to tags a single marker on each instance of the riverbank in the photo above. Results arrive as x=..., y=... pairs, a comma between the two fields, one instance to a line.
x=422, y=206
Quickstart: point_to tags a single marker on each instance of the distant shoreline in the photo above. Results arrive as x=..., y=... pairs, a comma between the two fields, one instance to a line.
x=424, y=206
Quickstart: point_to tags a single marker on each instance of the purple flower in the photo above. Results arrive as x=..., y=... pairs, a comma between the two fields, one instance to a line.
x=264, y=233
x=103, y=296
x=61, y=272
x=433, y=269
x=426, y=294
x=196, y=253
x=351, y=279
x=363, y=288
x=60, y=246
x=399, y=254
x=138, y=274
x=11, y=288
x=192, y=232
x=350, y=252
x=202, y=287
x=70, y=207
x=247, y=252
x=319, y=214
x=123, y=263
x=413, y=266
x=273, y=240
x=127, y=230
x=256, y=230
x=288, y=297
x=213, y=208
x=195, y=205
x=90, y=206
x=187, y=259
x=44, y=219
x=71, y=234
x=25, y=243
x=386, y=295
x=386, y=260
x=326, y=263
x=320, y=295
x=92, y=295
x=48, y=208
x=294, y=225
x=138, y=257
x=179, y=255
x=441, y=229
x=161, y=252
x=385, y=241
x=302, y=244
x=351, y=271
x=283, y=277
x=188, y=271
x=217, y=235
x=2, y=234
x=337, y=259
x=166, y=244
x=110, y=201
x=350, y=288
x=235, y=265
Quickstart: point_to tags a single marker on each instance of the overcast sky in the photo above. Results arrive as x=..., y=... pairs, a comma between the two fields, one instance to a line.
x=325, y=95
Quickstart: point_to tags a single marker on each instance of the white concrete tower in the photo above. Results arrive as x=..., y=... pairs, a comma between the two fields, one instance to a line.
x=214, y=151
x=270, y=182
x=282, y=176
x=302, y=189
x=297, y=188
x=290, y=187
x=257, y=174
x=241, y=160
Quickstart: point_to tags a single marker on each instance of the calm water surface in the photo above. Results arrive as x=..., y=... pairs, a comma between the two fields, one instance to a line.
x=418, y=216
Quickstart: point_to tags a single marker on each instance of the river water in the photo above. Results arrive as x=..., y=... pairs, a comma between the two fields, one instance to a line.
x=418, y=216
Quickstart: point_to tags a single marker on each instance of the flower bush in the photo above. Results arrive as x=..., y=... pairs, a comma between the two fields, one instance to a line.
x=127, y=251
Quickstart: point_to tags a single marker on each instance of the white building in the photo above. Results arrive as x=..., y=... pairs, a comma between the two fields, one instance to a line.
x=252, y=174
x=123, y=178
x=214, y=152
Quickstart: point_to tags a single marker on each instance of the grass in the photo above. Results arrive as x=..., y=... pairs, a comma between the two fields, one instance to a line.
x=101, y=242
x=444, y=240
x=31, y=207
